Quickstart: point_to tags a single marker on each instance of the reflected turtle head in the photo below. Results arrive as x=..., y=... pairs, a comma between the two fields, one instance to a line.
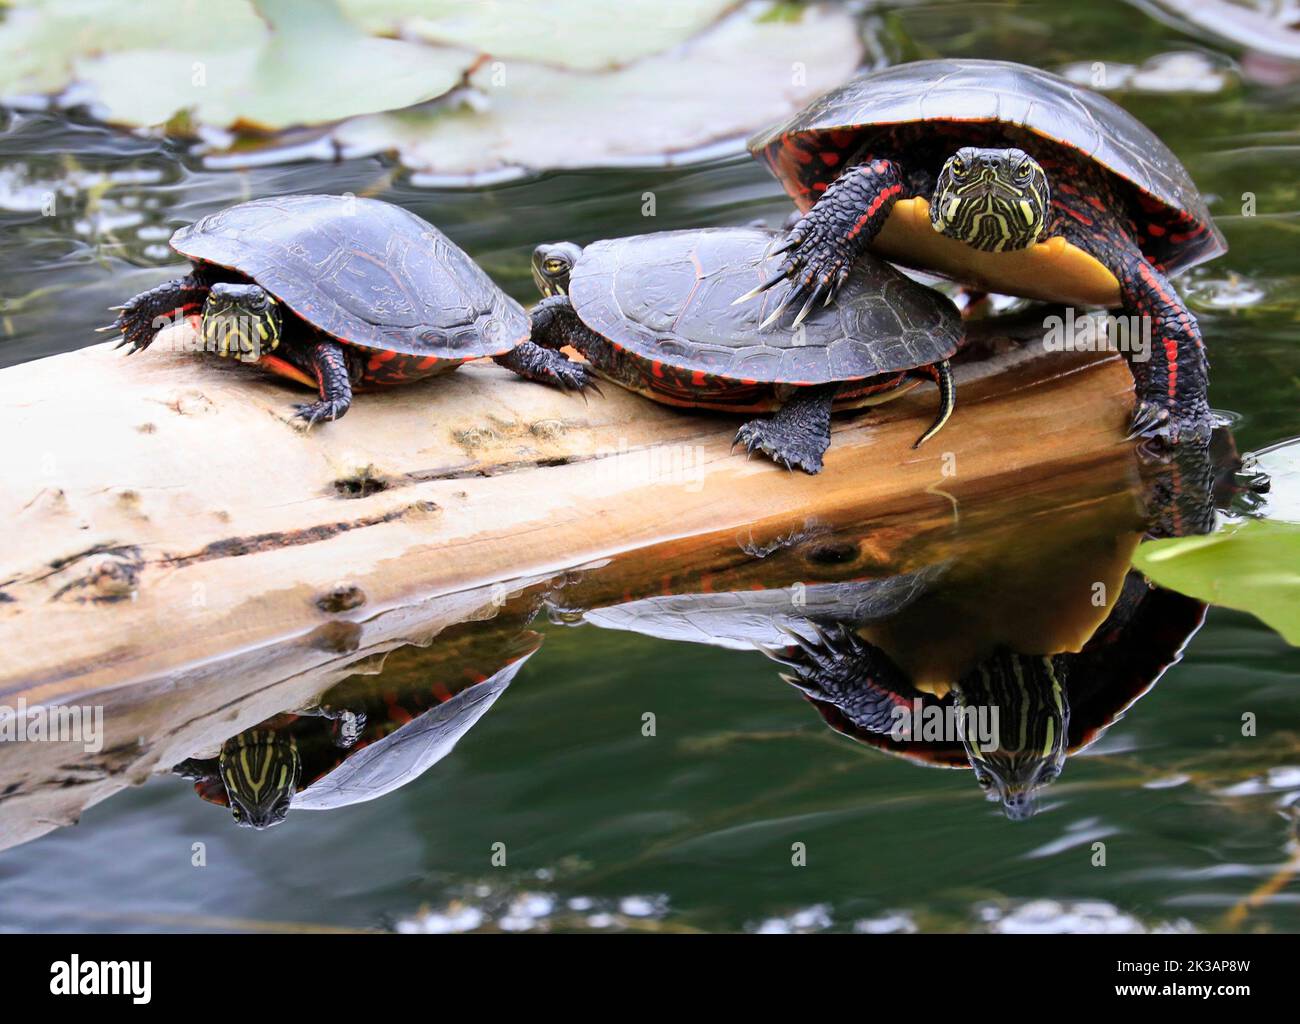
x=1015, y=725
x=260, y=770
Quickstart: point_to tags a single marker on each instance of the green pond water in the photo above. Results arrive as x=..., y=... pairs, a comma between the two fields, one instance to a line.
x=696, y=827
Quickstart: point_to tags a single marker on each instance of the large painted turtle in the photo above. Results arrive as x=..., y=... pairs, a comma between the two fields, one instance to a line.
x=1012, y=180
x=657, y=314
x=1042, y=707
x=338, y=292
x=1026, y=680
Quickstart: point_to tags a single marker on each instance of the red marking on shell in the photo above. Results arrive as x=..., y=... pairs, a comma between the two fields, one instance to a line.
x=1078, y=215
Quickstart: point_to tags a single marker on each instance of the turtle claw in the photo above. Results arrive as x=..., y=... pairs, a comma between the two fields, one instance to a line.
x=823, y=288
x=575, y=377
x=784, y=247
x=759, y=289
x=773, y=316
x=761, y=436
x=311, y=413
x=1151, y=422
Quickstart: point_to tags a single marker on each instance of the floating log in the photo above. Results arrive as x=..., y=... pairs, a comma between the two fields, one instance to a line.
x=179, y=552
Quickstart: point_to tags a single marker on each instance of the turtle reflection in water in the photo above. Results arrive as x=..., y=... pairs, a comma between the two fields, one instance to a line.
x=331, y=757
x=1044, y=705
x=1040, y=707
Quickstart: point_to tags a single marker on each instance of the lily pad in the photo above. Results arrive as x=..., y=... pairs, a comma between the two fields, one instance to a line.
x=1261, y=27
x=743, y=73
x=43, y=40
x=1254, y=565
x=575, y=34
x=302, y=65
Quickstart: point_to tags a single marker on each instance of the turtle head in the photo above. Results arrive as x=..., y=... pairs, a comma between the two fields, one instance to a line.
x=1015, y=725
x=241, y=320
x=991, y=199
x=552, y=264
x=260, y=770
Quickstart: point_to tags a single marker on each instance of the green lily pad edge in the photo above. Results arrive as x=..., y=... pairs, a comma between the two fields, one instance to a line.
x=1252, y=566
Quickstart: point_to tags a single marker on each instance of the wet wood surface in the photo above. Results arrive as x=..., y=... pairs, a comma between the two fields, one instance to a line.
x=181, y=555
x=163, y=511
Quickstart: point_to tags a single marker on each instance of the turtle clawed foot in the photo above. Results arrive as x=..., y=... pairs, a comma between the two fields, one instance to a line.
x=764, y=436
x=573, y=376
x=308, y=414
x=135, y=325
x=547, y=366
x=1159, y=428
x=816, y=268
x=1150, y=422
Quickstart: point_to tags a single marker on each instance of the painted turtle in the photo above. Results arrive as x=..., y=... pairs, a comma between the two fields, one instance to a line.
x=1012, y=180
x=337, y=292
x=656, y=314
x=332, y=757
x=1018, y=716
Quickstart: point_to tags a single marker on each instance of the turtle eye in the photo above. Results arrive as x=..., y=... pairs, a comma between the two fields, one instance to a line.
x=1022, y=172
x=553, y=265
x=958, y=165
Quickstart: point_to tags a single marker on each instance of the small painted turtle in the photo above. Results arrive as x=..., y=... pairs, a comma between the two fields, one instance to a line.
x=337, y=292
x=657, y=314
x=1012, y=180
x=332, y=757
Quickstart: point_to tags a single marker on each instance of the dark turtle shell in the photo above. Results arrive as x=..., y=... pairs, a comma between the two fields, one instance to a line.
x=367, y=272
x=668, y=297
x=1142, y=638
x=806, y=152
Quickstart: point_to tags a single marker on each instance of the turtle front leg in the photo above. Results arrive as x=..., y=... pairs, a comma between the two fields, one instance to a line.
x=329, y=362
x=824, y=243
x=141, y=318
x=546, y=366
x=798, y=434
x=1170, y=365
x=555, y=324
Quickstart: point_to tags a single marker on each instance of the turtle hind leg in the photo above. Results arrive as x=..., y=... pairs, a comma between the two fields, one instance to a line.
x=546, y=366
x=330, y=364
x=140, y=318
x=798, y=434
